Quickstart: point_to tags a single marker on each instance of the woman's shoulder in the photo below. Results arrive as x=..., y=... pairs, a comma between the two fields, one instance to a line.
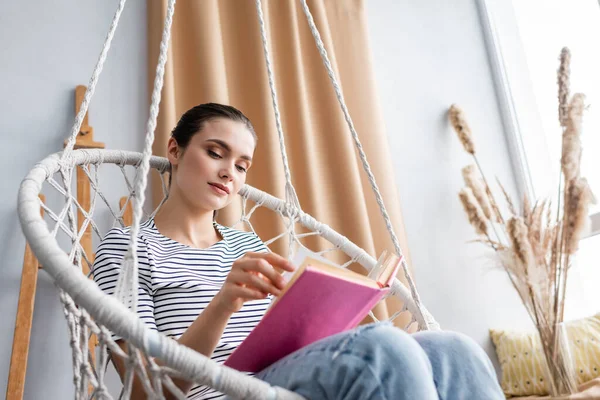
x=111, y=252
x=241, y=240
x=120, y=236
x=234, y=232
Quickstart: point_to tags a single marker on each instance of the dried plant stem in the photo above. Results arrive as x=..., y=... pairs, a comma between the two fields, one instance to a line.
x=475, y=213
x=574, y=202
x=563, y=259
x=561, y=379
x=561, y=270
x=492, y=199
x=564, y=287
x=555, y=272
x=526, y=302
x=563, y=80
x=556, y=258
x=491, y=242
x=534, y=305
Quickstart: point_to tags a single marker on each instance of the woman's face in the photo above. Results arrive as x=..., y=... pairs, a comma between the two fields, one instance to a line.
x=211, y=170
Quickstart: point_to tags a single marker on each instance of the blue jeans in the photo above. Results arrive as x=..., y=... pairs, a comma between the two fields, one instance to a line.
x=379, y=361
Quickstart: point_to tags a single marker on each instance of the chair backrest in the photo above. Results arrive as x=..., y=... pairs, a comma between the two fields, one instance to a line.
x=56, y=241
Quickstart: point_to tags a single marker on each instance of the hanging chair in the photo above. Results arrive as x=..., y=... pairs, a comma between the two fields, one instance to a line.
x=89, y=311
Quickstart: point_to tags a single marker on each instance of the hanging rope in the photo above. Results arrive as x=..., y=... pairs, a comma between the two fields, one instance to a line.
x=106, y=310
x=127, y=285
x=93, y=81
x=363, y=157
x=290, y=192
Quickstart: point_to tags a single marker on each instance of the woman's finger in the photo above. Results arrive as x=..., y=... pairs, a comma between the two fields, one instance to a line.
x=247, y=276
x=247, y=293
x=258, y=281
x=262, y=268
x=267, y=270
x=275, y=260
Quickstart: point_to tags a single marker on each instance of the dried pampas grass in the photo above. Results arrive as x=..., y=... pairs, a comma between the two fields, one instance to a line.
x=579, y=197
x=459, y=123
x=474, y=213
x=563, y=80
x=571, y=140
x=476, y=184
x=535, y=247
x=519, y=238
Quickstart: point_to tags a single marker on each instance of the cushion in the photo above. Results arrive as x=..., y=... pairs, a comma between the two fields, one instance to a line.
x=522, y=359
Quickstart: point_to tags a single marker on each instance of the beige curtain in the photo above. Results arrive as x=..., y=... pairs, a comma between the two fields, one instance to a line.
x=216, y=56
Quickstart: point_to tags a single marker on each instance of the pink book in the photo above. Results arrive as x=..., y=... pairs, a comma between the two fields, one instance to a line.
x=319, y=301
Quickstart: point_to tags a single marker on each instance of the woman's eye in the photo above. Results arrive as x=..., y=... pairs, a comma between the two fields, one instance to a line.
x=240, y=168
x=213, y=154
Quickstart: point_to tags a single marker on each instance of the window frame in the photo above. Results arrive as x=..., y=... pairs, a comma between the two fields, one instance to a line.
x=529, y=153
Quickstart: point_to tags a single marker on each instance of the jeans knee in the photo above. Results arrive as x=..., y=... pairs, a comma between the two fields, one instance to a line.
x=384, y=336
x=461, y=368
x=452, y=345
x=389, y=347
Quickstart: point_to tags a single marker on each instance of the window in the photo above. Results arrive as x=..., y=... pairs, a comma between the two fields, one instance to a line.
x=524, y=40
x=575, y=24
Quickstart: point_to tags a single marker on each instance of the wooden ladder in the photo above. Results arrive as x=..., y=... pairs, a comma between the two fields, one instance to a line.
x=31, y=266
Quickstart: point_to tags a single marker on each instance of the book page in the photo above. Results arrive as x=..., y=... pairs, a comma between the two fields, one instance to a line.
x=386, y=268
x=304, y=257
x=299, y=259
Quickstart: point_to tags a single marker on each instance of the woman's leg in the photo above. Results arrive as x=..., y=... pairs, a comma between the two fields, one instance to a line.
x=375, y=361
x=461, y=369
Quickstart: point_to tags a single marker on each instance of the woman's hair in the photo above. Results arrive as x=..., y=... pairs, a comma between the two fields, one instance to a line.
x=193, y=120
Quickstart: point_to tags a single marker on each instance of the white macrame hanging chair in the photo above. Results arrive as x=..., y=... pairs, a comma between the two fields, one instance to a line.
x=90, y=311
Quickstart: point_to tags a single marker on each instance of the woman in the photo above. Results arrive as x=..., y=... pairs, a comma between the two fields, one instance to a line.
x=207, y=286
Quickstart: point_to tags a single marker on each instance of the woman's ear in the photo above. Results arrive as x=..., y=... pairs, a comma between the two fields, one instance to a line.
x=173, y=151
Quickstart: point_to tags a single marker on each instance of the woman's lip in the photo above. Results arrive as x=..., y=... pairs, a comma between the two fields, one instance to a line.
x=218, y=190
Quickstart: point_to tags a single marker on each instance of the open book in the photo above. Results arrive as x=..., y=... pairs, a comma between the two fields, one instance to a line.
x=319, y=300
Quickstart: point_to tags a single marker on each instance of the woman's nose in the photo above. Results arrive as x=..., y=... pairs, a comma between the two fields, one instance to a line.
x=226, y=172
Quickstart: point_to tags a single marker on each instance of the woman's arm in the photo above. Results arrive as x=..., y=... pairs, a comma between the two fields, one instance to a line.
x=251, y=277
x=203, y=336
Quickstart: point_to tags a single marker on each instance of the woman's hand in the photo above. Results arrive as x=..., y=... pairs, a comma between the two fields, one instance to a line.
x=252, y=277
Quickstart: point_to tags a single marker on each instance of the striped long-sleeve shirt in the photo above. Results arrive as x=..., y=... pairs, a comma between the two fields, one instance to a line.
x=176, y=283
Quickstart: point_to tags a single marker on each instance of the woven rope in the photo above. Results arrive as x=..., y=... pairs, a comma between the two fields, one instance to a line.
x=114, y=316
x=84, y=303
x=363, y=157
x=93, y=80
x=290, y=192
x=127, y=286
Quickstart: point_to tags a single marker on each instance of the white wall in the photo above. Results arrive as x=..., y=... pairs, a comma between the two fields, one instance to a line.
x=47, y=49
x=428, y=55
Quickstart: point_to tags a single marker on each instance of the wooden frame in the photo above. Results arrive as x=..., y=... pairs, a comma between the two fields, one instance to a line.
x=22, y=336
x=24, y=319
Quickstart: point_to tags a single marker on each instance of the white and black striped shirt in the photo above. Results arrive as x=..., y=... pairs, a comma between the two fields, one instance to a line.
x=176, y=283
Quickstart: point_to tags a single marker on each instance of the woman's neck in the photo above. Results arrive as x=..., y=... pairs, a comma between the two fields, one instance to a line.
x=178, y=221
